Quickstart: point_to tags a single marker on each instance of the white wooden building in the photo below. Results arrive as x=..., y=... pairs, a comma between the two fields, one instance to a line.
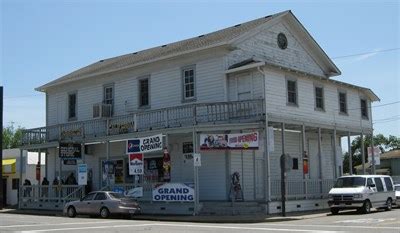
x=265, y=72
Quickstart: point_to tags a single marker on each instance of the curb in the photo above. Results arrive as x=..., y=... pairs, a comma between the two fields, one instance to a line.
x=181, y=218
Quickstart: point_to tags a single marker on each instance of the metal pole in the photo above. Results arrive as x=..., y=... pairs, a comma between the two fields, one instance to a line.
x=1, y=148
x=40, y=165
x=373, y=152
x=21, y=163
x=267, y=176
x=303, y=159
x=320, y=159
x=350, y=155
x=362, y=152
x=283, y=173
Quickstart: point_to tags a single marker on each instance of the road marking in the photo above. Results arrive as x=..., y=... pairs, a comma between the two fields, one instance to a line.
x=366, y=220
x=328, y=226
x=182, y=225
x=57, y=224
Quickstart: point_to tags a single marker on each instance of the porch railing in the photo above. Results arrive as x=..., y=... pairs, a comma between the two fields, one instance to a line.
x=37, y=196
x=185, y=115
x=302, y=189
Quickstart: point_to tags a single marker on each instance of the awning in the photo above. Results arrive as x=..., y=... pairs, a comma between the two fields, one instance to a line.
x=9, y=166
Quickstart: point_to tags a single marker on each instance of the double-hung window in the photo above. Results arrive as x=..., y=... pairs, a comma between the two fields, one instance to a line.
x=292, y=92
x=108, y=96
x=189, y=83
x=364, y=109
x=72, y=106
x=342, y=102
x=144, y=92
x=319, y=98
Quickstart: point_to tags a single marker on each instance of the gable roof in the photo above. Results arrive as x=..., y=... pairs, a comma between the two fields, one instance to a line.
x=218, y=38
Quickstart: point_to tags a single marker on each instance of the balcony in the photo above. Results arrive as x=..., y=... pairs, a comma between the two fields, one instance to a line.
x=172, y=117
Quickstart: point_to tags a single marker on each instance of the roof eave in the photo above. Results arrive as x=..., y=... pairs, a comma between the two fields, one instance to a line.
x=45, y=87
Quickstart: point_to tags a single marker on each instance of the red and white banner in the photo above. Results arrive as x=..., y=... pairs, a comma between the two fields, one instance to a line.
x=136, y=164
x=238, y=141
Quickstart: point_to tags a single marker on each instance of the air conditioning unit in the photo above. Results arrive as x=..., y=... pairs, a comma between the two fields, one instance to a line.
x=101, y=110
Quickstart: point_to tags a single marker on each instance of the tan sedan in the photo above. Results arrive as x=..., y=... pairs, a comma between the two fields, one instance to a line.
x=103, y=203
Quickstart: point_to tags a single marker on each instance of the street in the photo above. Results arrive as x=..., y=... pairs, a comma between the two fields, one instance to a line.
x=377, y=221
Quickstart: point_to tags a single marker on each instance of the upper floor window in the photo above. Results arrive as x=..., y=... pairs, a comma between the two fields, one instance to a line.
x=189, y=88
x=144, y=92
x=292, y=92
x=364, y=109
x=319, y=98
x=108, y=97
x=72, y=106
x=342, y=102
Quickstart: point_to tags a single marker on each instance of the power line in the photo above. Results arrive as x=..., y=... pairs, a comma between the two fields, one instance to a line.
x=21, y=96
x=366, y=53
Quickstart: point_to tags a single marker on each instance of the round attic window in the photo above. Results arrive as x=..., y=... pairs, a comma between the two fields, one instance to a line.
x=282, y=41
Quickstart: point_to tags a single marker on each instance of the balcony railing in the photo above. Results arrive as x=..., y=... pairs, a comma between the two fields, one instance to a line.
x=172, y=117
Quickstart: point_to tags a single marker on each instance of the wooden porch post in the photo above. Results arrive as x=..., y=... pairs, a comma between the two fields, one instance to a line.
x=320, y=159
x=108, y=158
x=334, y=154
x=303, y=148
x=350, y=154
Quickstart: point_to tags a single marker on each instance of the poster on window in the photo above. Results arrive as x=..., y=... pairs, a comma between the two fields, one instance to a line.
x=82, y=174
x=239, y=141
x=377, y=154
x=136, y=164
x=144, y=145
x=174, y=192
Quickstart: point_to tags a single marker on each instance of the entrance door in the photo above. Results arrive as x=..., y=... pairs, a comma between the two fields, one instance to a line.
x=4, y=192
x=313, y=159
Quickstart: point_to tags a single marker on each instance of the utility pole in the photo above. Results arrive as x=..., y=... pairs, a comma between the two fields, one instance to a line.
x=1, y=149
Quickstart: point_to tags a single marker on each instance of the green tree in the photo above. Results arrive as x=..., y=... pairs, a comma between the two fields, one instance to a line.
x=12, y=138
x=385, y=144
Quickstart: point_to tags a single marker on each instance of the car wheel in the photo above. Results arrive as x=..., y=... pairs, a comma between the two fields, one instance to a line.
x=334, y=211
x=104, y=212
x=366, y=208
x=389, y=204
x=71, y=212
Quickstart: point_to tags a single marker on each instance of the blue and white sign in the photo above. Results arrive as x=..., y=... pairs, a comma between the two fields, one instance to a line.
x=143, y=145
x=174, y=192
x=82, y=174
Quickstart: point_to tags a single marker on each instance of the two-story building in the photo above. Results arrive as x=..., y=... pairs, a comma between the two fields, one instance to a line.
x=266, y=81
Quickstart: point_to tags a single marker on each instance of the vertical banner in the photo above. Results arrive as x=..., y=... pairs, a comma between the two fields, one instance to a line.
x=82, y=174
x=136, y=164
x=166, y=166
x=271, y=139
x=377, y=153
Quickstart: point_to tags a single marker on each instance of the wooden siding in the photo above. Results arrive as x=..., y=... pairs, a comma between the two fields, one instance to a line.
x=264, y=46
x=276, y=101
x=165, y=88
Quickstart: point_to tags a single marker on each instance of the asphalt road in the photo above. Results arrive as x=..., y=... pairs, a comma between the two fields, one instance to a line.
x=382, y=221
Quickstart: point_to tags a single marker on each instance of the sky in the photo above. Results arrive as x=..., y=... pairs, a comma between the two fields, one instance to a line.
x=44, y=39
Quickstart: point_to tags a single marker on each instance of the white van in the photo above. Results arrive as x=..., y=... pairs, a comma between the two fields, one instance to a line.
x=362, y=192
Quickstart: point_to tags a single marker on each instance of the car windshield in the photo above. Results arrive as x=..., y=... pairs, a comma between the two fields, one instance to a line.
x=116, y=195
x=350, y=182
x=397, y=187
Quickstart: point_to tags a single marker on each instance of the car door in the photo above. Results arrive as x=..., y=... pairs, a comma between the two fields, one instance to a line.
x=97, y=203
x=371, y=190
x=83, y=206
x=380, y=195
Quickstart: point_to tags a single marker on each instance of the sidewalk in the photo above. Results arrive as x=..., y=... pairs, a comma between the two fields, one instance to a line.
x=200, y=219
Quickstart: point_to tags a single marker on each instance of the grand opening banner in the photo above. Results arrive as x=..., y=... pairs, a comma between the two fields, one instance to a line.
x=174, y=192
x=238, y=141
x=146, y=144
